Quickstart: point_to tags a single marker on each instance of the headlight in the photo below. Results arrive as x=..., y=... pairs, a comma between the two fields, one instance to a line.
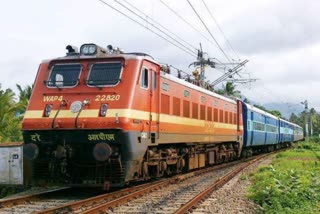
x=47, y=110
x=30, y=151
x=102, y=151
x=88, y=49
x=103, y=110
x=76, y=106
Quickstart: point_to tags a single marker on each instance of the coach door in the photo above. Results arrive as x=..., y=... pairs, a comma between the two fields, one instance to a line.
x=153, y=100
x=154, y=104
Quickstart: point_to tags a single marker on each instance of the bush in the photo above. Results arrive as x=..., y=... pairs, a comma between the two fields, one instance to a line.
x=291, y=184
x=314, y=139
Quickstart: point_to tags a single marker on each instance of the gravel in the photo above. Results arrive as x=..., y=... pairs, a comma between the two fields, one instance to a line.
x=231, y=198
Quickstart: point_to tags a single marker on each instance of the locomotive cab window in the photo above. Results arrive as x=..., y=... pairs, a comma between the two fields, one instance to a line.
x=64, y=76
x=144, y=83
x=104, y=74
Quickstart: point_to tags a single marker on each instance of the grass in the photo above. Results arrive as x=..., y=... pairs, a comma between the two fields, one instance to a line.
x=6, y=190
x=292, y=183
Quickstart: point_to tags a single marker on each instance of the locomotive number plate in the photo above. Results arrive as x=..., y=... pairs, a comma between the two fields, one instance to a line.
x=114, y=97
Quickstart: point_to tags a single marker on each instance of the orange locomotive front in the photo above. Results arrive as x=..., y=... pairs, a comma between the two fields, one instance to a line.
x=104, y=117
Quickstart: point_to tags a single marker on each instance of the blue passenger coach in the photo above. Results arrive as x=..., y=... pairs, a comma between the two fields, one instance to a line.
x=263, y=131
x=286, y=131
x=297, y=132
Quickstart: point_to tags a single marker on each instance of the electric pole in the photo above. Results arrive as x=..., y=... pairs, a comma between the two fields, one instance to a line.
x=305, y=103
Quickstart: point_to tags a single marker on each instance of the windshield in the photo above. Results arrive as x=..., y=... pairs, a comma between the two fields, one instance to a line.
x=64, y=75
x=104, y=74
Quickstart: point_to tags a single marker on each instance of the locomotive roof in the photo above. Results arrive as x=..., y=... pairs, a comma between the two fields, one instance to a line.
x=195, y=87
x=126, y=56
x=141, y=56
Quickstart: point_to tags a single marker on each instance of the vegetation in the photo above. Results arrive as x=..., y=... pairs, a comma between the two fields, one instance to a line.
x=273, y=112
x=11, y=113
x=229, y=90
x=310, y=116
x=292, y=183
x=6, y=190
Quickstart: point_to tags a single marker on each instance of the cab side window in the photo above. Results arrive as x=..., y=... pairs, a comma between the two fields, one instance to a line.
x=144, y=78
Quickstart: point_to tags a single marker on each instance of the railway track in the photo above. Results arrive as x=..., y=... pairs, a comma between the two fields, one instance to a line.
x=178, y=194
x=203, y=195
x=42, y=200
x=151, y=197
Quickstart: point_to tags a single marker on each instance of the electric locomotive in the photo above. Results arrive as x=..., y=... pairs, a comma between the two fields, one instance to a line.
x=100, y=116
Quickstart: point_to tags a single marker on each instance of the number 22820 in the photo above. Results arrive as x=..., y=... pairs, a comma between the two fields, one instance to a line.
x=114, y=97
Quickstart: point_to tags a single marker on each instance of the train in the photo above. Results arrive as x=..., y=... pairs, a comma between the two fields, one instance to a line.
x=103, y=117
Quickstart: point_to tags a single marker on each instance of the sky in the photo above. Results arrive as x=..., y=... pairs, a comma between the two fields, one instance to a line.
x=281, y=39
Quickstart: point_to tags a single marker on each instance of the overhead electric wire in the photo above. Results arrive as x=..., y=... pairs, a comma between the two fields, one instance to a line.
x=231, y=72
x=194, y=10
x=215, y=21
x=194, y=28
x=186, y=22
x=177, y=36
x=118, y=2
x=158, y=34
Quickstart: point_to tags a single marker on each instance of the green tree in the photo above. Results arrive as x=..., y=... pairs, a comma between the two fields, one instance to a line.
x=9, y=123
x=246, y=100
x=229, y=90
x=260, y=107
x=273, y=112
x=24, y=96
x=315, y=120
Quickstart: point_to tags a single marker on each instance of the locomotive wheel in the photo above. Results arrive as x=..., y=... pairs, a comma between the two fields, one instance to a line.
x=163, y=167
x=145, y=171
x=181, y=164
x=168, y=171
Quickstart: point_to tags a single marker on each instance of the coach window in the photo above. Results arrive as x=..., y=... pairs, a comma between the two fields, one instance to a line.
x=144, y=83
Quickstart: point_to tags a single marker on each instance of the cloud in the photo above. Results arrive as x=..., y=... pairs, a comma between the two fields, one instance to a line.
x=276, y=27
x=280, y=38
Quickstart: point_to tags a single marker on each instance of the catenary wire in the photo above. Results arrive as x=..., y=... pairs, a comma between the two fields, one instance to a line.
x=194, y=10
x=194, y=28
x=186, y=22
x=177, y=36
x=223, y=34
x=142, y=25
x=118, y=2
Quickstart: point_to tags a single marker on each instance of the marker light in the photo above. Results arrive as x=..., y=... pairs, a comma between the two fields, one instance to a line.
x=47, y=110
x=103, y=110
x=88, y=49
